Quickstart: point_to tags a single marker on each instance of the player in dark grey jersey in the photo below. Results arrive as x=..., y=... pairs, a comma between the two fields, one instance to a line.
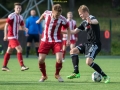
x=91, y=48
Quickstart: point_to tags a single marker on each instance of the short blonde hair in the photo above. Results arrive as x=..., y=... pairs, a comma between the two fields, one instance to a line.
x=69, y=13
x=57, y=7
x=83, y=8
x=17, y=3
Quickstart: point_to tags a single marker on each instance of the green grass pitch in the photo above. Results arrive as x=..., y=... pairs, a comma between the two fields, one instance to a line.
x=28, y=80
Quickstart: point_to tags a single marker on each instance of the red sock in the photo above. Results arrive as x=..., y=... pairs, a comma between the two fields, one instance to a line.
x=42, y=68
x=64, y=52
x=6, y=59
x=20, y=59
x=58, y=68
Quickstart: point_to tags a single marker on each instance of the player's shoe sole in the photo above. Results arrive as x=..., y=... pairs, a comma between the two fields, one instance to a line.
x=43, y=78
x=106, y=79
x=72, y=76
x=5, y=69
x=58, y=77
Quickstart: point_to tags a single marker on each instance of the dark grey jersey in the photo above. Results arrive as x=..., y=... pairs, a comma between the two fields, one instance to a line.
x=93, y=31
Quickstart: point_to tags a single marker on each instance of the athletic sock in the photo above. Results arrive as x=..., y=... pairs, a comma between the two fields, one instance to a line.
x=42, y=68
x=75, y=61
x=58, y=68
x=27, y=51
x=20, y=59
x=64, y=52
x=37, y=51
x=6, y=59
x=98, y=69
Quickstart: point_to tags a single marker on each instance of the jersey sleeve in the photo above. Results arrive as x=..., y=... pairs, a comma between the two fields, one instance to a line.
x=46, y=12
x=10, y=19
x=92, y=17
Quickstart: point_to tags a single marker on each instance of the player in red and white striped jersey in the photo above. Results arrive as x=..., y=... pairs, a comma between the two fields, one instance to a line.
x=13, y=22
x=73, y=37
x=52, y=39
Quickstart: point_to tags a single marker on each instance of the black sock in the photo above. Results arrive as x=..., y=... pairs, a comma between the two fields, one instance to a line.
x=37, y=51
x=75, y=61
x=97, y=68
x=27, y=51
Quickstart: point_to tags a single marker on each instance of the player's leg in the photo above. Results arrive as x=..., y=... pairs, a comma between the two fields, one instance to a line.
x=43, y=50
x=42, y=66
x=75, y=60
x=29, y=41
x=93, y=51
x=36, y=40
x=64, y=50
x=20, y=58
x=6, y=59
x=72, y=44
x=57, y=49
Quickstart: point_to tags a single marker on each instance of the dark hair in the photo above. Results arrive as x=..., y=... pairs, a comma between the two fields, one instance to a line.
x=57, y=7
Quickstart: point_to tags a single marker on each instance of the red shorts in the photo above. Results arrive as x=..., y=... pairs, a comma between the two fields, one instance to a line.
x=45, y=47
x=71, y=42
x=13, y=43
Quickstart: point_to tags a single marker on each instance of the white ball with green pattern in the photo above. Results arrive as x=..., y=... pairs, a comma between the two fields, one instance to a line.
x=96, y=77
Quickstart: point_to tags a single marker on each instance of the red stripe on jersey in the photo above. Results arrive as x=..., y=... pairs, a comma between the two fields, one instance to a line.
x=10, y=27
x=59, y=32
x=48, y=23
x=53, y=29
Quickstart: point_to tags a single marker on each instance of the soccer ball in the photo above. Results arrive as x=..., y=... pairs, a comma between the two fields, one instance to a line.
x=96, y=77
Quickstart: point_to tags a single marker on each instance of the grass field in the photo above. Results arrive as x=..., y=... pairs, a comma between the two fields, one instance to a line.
x=28, y=80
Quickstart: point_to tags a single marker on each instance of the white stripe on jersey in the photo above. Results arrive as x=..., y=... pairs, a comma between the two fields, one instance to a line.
x=52, y=27
x=56, y=30
x=13, y=30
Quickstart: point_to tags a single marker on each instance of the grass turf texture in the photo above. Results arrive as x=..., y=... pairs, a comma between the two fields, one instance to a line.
x=28, y=80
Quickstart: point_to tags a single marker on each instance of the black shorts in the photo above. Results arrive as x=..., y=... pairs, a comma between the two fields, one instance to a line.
x=89, y=49
x=32, y=37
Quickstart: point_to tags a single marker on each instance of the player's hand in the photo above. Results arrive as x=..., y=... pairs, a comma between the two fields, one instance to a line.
x=37, y=21
x=68, y=43
x=5, y=39
x=26, y=31
x=88, y=20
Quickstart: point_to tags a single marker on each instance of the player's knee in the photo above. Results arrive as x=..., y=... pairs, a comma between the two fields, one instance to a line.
x=59, y=60
x=89, y=61
x=19, y=50
x=73, y=51
x=41, y=60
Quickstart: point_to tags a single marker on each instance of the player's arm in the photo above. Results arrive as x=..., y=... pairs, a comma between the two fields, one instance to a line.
x=68, y=33
x=75, y=31
x=40, y=19
x=5, y=32
x=92, y=21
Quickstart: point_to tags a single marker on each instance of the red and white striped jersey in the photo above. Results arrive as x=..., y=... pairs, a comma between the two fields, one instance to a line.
x=52, y=29
x=72, y=26
x=14, y=22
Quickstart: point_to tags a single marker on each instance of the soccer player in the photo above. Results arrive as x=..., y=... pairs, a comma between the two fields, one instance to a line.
x=51, y=39
x=34, y=32
x=91, y=48
x=73, y=37
x=14, y=20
